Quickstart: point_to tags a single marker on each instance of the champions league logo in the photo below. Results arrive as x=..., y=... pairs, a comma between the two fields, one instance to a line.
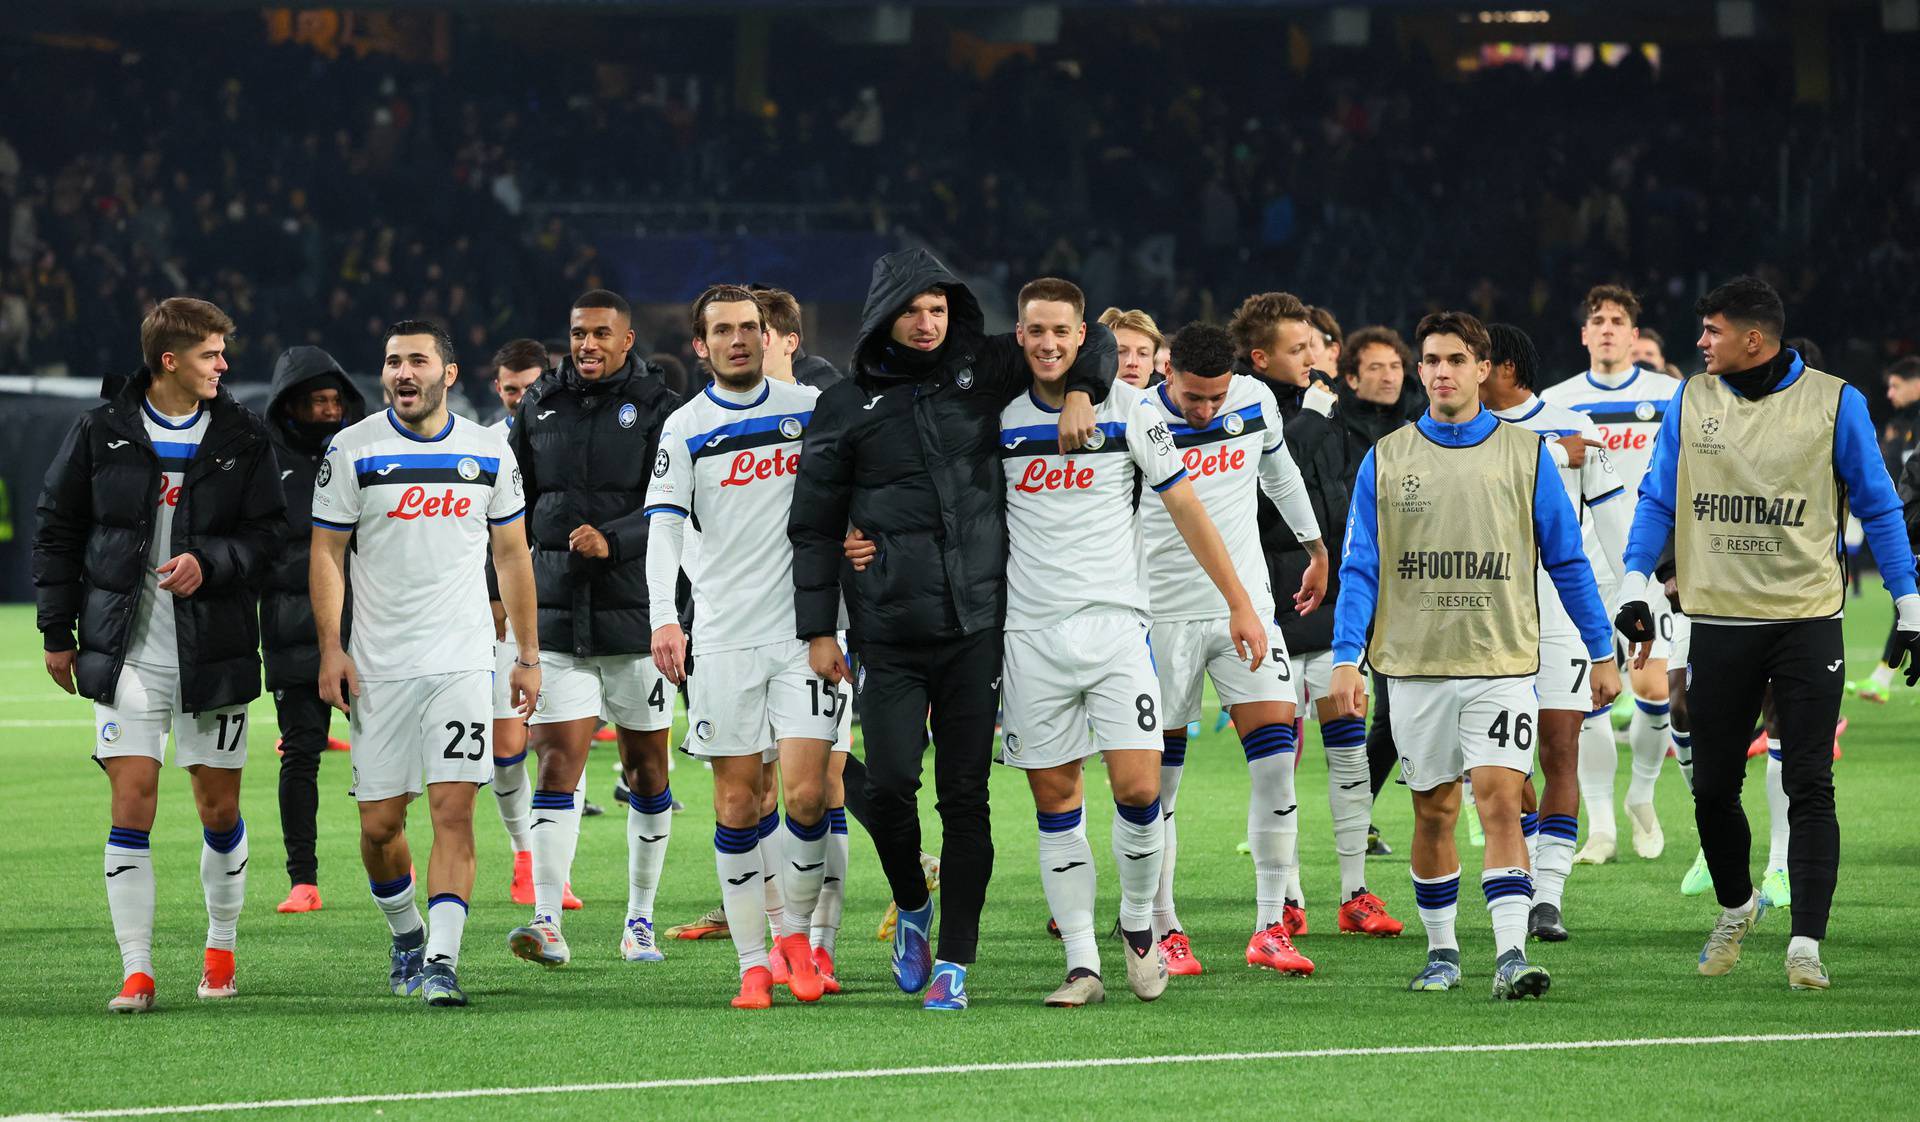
x=660, y=465
x=1410, y=487
x=1409, y=500
x=326, y=470
x=1644, y=410
x=469, y=469
x=1709, y=426
x=628, y=415
x=790, y=428
x=1234, y=424
x=516, y=481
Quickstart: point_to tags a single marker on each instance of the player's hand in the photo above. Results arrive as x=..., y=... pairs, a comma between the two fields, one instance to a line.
x=60, y=668
x=588, y=542
x=181, y=575
x=1906, y=637
x=1348, y=690
x=1576, y=447
x=1634, y=621
x=827, y=660
x=859, y=550
x=1077, y=425
x=523, y=687
x=670, y=652
x=1605, y=680
x=1249, y=635
x=1671, y=586
x=1313, y=584
x=339, y=681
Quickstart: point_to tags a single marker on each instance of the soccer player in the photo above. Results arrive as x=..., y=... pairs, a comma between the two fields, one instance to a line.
x=422, y=494
x=1649, y=352
x=1573, y=442
x=1898, y=441
x=311, y=400
x=1227, y=427
x=516, y=367
x=157, y=526
x=727, y=460
x=1627, y=402
x=1756, y=465
x=585, y=438
x=1437, y=592
x=1077, y=654
x=1139, y=339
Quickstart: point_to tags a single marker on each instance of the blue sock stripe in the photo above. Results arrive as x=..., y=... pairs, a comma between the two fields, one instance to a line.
x=1269, y=740
x=127, y=838
x=1563, y=826
x=445, y=898
x=1501, y=887
x=226, y=840
x=1344, y=732
x=1682, y=737
x=1652, y=708
x=807, y=833
x=1773, y=753
x=1173, y=750
x=651, y=804
x=509, y=761
x=769, y=823
x=837, y=819
x=388, y=889
x=1529, y=825
x=1061, y=822
x=1436, y=894
x=736, y=839
x=1138, y=815
x=553, y=800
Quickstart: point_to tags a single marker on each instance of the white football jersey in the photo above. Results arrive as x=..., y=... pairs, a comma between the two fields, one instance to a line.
x=1224, y=460
x=1628, y=416
x=1594, y=482
x=420, y=509
x=729, y=465
x=176, y=440
x=1073, y=538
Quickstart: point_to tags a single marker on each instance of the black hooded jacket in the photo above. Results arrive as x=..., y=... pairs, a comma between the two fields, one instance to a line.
x=1328, y=450
x=286, y=610
x=812, y=370
x=913, y=460
x=586, y=451
x=96, y=529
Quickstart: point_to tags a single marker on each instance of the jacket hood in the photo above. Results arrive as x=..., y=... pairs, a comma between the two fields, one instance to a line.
x=899, y=277
x=635, y=367
x=299, y=365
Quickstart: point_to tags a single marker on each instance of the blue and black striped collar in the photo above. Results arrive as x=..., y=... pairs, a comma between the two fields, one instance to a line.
x=394, y=420
x=766, y=388
x=160, y=418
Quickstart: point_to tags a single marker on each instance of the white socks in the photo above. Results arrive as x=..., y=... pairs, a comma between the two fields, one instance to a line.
x=1173, y=759
x=1779, y=831
x=649, y=825
x=736, y=855
x=833, y=884
x=770, y=869
x=223, y=878
x=1553, y=858
x=1509, y=893
x=513, y=792
x=1273, y=830
x=1066, y=874
x=805, y=851
x=1139, y=834
x=1648, y=735
x=395, y=898
x=556, y=834
x=1350, y=797
x=1683, y=754
x=1437, y=899
x=446, y=923
x=1598, y=759
x=129, y=872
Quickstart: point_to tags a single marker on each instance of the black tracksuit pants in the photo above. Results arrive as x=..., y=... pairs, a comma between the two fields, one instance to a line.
x=1382, y=756
x=954, y=685
x=304, y=720
x=1731, y=666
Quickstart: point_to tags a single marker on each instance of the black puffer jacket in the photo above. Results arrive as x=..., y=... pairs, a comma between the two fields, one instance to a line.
x=96, y=530
x=812, y=370
x=586, y=452
x=913, y=460
x=1328, y=450
x=286, y=610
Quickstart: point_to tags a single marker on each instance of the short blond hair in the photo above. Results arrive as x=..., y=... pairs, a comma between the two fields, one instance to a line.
x=178, y=322
x=1134, y=320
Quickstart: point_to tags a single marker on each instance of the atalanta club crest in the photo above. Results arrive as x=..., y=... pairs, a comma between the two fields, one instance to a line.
x=1234, y=424
x=469, y=469
x=1644, y=410
x=1097, y=441
x=109, y=732
x=628, y=415
x=790, y=427
x=964, y=380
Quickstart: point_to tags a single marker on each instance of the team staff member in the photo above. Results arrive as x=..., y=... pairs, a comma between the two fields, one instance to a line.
x=312, y=399
x=907, y=451
x=157, y=525
x=1753, y=472
x=585, y=439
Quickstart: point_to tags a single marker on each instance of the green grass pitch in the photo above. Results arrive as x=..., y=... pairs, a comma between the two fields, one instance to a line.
x=313, y=1018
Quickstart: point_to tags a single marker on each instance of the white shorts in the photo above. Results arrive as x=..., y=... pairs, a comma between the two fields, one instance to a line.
x=1446, y=727
x=1663, y=631
x=1082, y=686
x=503, y=656
x=1564, y=680
x=1313, y=677
x=624, y=689
x=413, y=733
x=1681, y=649
x=146, y=706
x=742, y=700
x=1185, y=650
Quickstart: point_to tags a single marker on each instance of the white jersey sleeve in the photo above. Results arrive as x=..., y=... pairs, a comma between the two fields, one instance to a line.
x=1280, y=478
x=336, y=491
x=509, y=500
x=1150, y=443
x=669, y=497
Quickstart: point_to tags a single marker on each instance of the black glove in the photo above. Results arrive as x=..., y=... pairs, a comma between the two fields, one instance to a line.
x=1906, y=646
x=1635, y=621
